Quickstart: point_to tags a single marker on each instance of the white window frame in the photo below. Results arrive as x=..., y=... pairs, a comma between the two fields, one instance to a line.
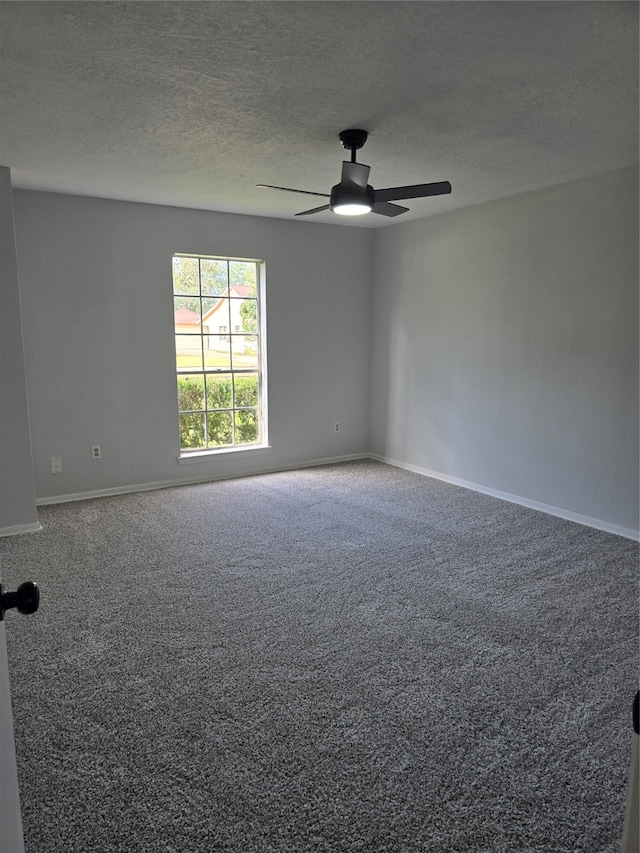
x=187, y=455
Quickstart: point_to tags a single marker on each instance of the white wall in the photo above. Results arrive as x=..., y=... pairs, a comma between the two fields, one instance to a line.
x=94, y=273
x=17, y=492
x=505, y=347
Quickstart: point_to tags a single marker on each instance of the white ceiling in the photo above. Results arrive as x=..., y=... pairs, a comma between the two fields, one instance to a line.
x=194, y=103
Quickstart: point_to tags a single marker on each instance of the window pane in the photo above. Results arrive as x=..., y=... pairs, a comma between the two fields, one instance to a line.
x=185, y=275
x=190, y=393
x=243, y=273
x=189, y=352
x=219, y=391
x=243, y=315
x=215, y=358
x=220, y=428
x=246, y=426
x=186, y=314
x=192, y=431
x=213, y=276
x=246, y=390
x=207, y=306
x=245, y=351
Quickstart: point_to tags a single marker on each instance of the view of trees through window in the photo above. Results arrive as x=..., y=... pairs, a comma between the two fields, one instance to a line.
x=218, y=362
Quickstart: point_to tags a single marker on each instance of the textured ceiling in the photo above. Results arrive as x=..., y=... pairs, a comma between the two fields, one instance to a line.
x=194, y=103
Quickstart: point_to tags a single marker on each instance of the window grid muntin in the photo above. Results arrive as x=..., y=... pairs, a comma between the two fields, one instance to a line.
x=233, y=371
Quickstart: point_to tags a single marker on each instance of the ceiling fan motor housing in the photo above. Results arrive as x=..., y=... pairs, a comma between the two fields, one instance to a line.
x=351, y=195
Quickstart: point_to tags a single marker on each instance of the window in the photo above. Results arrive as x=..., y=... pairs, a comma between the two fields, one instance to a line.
x=220, y=374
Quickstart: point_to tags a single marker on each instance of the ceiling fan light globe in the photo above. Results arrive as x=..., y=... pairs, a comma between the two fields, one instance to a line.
x=351, y=208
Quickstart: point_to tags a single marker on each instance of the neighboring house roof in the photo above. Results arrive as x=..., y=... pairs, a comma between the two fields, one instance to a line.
x=242, y=290
x=185, y=317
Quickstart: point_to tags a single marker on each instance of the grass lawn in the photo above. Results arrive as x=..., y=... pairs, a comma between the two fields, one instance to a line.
x=215, y=361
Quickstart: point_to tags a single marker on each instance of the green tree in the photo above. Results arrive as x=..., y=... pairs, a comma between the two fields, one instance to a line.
x=186, y=282
x=248, y=315
x=243, y=272
x=186, y=276
x=214, y=276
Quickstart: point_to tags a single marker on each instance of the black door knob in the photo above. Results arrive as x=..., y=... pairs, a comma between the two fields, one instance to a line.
x=25, y=599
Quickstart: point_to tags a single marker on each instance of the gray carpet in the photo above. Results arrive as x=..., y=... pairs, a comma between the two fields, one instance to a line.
x=346, y=658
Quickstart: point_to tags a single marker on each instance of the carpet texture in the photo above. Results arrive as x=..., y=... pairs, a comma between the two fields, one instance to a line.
x=345, y=658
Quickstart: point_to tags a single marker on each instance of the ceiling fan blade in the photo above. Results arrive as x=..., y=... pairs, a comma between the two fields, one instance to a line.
x=387, y=209
x=313, y=210
x=289, y=190
x=415, y=191
x=354, y=173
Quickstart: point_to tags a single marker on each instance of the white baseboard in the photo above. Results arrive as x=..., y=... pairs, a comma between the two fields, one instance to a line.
x=193, y=481
x=587, y=521
x=13, y=530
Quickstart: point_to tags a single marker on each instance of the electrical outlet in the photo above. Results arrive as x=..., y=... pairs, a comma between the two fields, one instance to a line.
x=96, y=452
x=336, y=427
x=56, y=465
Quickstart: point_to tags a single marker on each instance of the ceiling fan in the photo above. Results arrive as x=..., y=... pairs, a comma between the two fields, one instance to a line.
x=354, y=196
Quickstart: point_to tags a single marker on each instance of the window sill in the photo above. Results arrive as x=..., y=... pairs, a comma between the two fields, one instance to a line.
x=204, y=455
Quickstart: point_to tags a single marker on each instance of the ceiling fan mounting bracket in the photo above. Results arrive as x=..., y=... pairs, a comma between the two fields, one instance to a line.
x=352, y=140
